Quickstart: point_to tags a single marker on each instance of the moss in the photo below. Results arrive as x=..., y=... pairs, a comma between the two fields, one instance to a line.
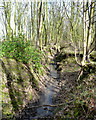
x=30, y=97
x=3, y=86
x=6, y=108
x=16, y=81
x=35, y=83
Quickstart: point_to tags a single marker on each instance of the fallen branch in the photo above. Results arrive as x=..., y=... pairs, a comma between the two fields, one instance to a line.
x=49, y=105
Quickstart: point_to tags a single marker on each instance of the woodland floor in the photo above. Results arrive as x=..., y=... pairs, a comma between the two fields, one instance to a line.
x=68, y=74
x=71, y=89
x=68, y=80
x=64, y=93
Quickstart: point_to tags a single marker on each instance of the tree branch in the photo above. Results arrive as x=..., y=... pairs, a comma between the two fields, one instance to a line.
x=49, y=105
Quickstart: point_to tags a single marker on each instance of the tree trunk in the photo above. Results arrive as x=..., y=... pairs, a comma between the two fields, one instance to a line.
x=87, y=15
x=15, y=18
x=95, y=24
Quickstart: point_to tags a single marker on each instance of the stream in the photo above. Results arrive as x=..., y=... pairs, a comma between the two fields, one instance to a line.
x=50, y=91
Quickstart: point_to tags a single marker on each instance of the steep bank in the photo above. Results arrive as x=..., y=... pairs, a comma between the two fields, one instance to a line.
x=43, y=107
x=18, y=86
x=20, y=90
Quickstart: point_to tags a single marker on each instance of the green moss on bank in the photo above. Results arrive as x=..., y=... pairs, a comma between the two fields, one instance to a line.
x=16, y=86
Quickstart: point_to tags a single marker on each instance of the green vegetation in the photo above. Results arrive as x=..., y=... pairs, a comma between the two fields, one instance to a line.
x=85, y=97
x=19, y=50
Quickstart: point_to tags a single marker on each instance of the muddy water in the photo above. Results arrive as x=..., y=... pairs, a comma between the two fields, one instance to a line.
x=46, y=98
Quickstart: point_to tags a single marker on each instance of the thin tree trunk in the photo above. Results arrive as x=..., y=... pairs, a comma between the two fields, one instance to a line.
x=5, y=12
x=40, y=26
x=84, y=33
x=38, y=4
x=39, y=22
x=95, y=24
x=15, y=19
x=46, y=38
x=25, y=15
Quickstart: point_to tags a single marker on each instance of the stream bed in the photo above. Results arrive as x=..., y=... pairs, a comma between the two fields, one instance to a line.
x=50, y=91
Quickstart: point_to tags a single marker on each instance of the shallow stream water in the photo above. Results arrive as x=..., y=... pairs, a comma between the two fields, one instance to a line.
x=46, y=98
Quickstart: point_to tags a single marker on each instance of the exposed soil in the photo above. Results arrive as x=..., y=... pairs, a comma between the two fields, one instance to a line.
x=56, y=92
x=62, y=81
x=68, y=80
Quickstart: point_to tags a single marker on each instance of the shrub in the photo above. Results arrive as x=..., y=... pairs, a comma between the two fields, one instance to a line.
x=20, y=50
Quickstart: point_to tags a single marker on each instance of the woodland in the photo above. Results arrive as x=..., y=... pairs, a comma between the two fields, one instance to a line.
x=48, y=60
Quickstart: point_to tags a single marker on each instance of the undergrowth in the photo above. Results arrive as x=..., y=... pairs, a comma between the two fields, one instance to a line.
x=84, y=98
x=18, y=49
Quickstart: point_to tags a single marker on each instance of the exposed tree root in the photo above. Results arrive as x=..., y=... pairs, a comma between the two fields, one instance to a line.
x=80, y=74
x=86, y=69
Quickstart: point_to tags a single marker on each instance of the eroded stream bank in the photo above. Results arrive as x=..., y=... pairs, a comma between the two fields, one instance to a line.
x=54, y=83
x=43, y=107
x=59, y=87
